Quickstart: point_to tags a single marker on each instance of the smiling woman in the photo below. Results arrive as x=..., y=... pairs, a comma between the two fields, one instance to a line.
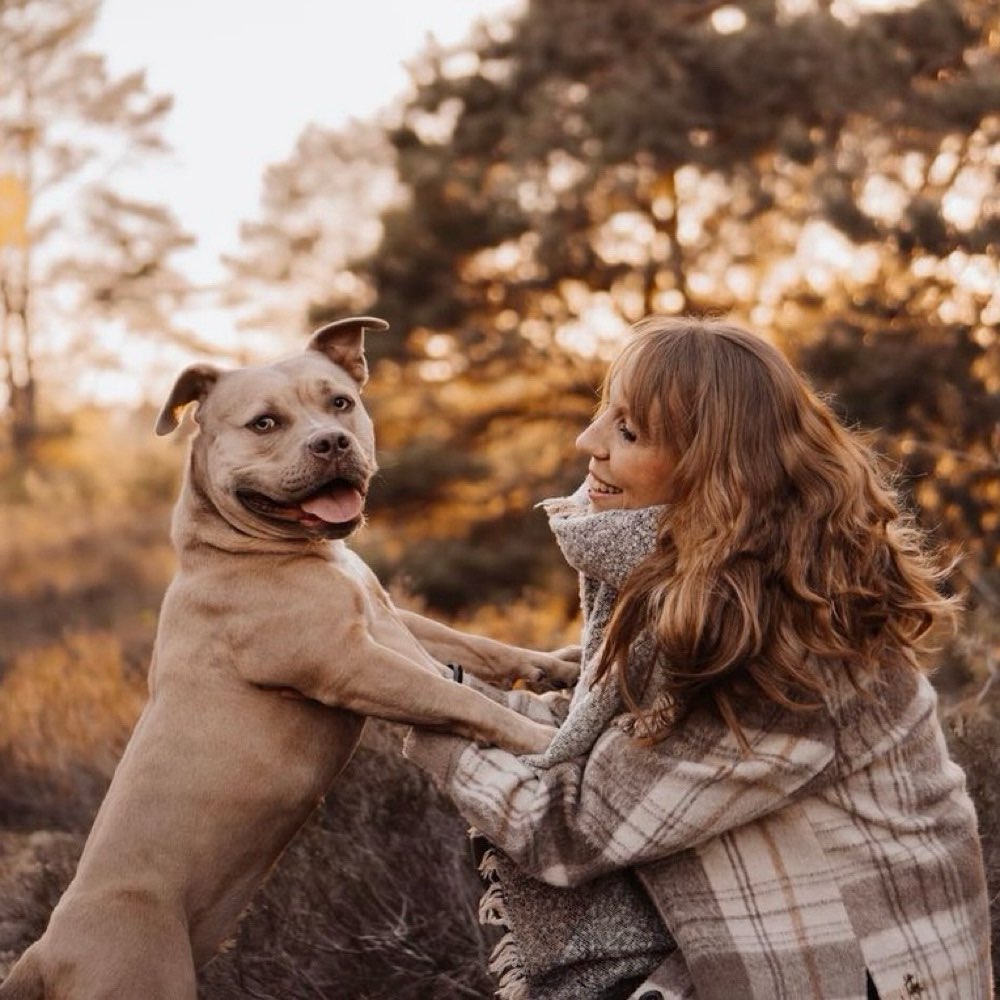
x=750, y=774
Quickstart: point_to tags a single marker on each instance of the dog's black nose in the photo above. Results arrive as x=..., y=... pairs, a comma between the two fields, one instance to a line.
x=328, y=443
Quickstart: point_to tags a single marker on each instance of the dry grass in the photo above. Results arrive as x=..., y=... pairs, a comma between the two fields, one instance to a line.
x=66, y=710
x=35, y=868
x=69, y=701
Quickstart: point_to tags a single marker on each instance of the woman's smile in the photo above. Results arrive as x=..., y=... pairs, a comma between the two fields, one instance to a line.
x=597, y=486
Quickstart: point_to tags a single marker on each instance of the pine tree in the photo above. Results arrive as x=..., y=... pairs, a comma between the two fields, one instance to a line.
x=74, y=250
x=800, y=168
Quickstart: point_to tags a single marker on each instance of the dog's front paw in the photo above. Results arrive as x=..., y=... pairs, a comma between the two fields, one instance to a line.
x=559, y=669
x=535, y=740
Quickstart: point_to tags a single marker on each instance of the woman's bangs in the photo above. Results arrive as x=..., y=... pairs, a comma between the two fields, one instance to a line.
x=643, y=384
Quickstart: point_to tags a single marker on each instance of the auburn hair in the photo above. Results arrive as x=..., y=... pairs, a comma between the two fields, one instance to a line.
x=783, y=549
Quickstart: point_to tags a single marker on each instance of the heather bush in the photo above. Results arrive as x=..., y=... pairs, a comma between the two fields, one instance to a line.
x=975, y=743
x=375, y=898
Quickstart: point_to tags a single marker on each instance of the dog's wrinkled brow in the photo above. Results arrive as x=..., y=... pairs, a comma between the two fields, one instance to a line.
x=327, y=387
x=258, y=407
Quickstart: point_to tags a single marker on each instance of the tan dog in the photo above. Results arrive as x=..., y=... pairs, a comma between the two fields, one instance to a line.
x=274, y=641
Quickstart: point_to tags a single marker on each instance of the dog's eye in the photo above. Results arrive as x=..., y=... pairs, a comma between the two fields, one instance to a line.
x=264, y=423
x=342, y=402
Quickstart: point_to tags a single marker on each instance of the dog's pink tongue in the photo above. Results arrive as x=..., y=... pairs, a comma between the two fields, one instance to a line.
x=342, y=503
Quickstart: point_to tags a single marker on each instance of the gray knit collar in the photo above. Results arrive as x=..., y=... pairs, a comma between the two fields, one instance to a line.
x=603, y=545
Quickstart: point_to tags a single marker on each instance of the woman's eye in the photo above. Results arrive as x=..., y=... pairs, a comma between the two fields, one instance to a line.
x=627, y=434
x=342, y=402
x=263, y=424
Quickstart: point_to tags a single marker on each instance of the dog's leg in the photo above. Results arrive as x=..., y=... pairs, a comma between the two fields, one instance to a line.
x=490, y=660
x=391, y=686
x=25, y=980
x=108, y=943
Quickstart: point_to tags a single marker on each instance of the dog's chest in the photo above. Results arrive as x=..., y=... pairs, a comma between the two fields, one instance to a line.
x=383, y=621
x=364, y=583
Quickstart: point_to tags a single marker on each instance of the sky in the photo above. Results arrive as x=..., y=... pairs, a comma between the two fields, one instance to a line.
x=248, y=76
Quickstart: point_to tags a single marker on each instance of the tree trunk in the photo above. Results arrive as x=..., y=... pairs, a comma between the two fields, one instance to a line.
x=16, y=358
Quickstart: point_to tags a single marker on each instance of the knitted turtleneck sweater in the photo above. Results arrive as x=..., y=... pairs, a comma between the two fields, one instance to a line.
x=603, y=938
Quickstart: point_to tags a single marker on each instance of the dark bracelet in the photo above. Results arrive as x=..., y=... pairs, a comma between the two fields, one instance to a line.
x=457, y=671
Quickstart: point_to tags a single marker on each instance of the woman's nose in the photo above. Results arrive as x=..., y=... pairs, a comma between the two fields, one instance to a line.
x=589, y=440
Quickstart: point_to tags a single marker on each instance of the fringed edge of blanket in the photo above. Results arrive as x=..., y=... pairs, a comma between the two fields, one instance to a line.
x=505, y=961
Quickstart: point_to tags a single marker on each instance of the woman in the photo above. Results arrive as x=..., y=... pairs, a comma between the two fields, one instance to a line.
x=750, y=796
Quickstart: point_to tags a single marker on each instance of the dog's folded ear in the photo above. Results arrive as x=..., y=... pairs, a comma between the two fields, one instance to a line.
x=343, y=342
x=192, y=385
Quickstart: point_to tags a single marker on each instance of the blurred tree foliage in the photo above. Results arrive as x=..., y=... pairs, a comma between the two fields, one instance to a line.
x=75, y=250
x=826, y=175
x=321, y=211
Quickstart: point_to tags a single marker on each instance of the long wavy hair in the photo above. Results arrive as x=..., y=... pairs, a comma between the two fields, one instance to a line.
x=783, y=550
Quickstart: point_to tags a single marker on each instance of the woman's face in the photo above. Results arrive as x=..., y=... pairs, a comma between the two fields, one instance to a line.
x=626, y=469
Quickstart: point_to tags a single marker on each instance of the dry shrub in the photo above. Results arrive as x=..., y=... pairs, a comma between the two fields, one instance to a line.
x=375, y=898
x=975, y=743
x=66, y=711
x=68, y=701
x=34, y=870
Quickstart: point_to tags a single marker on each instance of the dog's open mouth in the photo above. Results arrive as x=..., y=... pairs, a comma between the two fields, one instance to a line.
x=337, y=504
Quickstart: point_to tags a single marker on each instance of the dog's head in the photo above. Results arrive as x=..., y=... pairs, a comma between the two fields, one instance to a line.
x=284, y=450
